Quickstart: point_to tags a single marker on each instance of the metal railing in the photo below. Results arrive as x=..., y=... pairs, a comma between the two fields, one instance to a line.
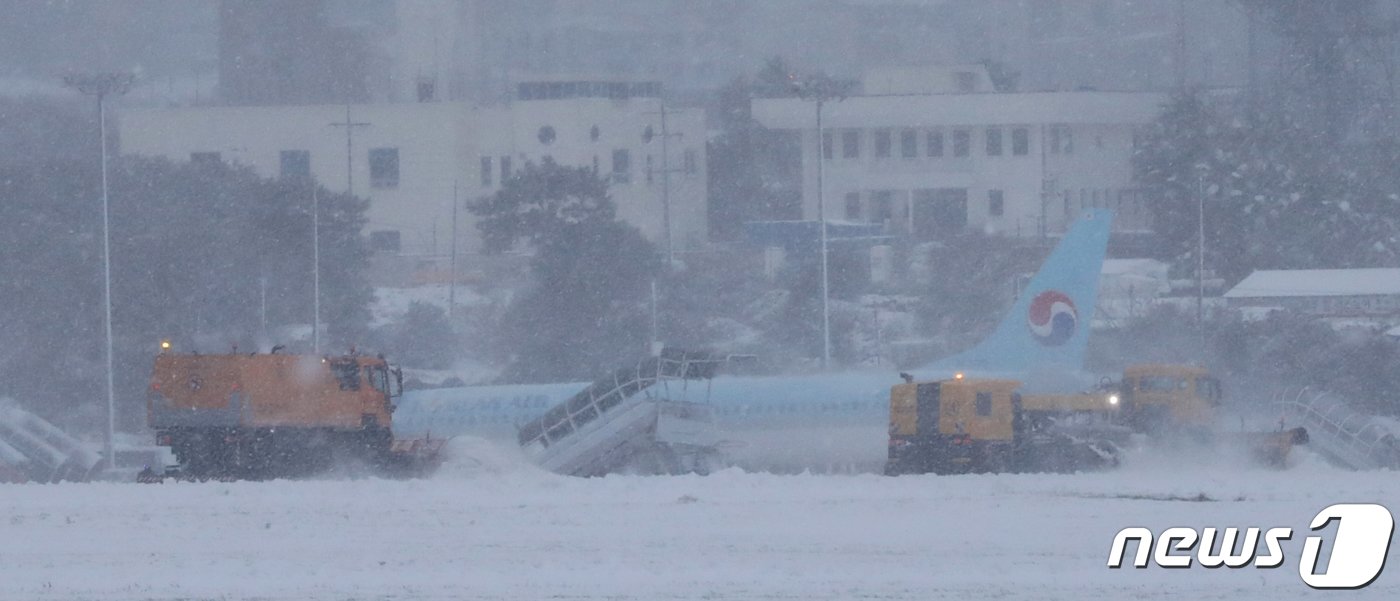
x=604, y=395
x=1338, y=430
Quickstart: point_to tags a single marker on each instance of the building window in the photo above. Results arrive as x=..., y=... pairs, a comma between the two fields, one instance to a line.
x=205, y=158
x=621, y=166
x=296, y=163
x=1061, y=140
x=384, y=241
x=935, y=143
x=1020, y=141
x=850, y=144
x=505, y=169
x=486, y=172
x=427, y=90
x=882, y=144
x=853, y=206
x=826, y=145
x=882, y=206
x=384, y=167
x=908, y=144
x=962, y=142
x=996, y=203
x=691, y=161
x=993, y=141
x=547, y=134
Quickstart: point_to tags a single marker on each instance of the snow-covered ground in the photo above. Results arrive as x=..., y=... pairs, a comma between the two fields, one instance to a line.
x=489, y=526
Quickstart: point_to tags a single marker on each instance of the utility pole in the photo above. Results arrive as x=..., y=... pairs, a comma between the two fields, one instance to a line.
x=1200, y=171
x=1046, y=187
x=665, y=179
x=665, y=214
x=1181, y=45
x=104, y=85
x=315, y=270
x=821, y=216
x=655, y=349
x=452, y=284
x=349, y=149
x=262, y=306
x=821, y=88
x=666, y=190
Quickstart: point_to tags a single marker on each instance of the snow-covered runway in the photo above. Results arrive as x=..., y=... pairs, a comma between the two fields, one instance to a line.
x=489, y=527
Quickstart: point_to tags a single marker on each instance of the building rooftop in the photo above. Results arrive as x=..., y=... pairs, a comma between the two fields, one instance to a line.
x=1318, y=282
x=963, y=109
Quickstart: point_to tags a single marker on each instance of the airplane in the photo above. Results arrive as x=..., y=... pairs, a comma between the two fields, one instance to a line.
x=831, y=422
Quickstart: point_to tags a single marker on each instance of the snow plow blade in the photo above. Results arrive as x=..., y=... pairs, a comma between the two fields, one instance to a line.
x=1272, y=448
x=414, y=457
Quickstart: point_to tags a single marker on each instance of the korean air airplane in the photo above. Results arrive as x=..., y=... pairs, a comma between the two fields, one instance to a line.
x=833, y=421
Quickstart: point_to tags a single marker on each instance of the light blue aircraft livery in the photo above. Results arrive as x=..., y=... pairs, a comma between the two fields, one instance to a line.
x=831, y=421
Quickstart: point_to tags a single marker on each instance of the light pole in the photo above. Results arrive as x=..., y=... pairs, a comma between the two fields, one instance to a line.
x=452, y=283
x=1201, y=253
x=315, y=269
x=822, y=88
x=103, y=85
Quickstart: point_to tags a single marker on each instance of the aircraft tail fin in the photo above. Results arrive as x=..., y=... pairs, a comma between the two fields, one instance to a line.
x=1048, y=326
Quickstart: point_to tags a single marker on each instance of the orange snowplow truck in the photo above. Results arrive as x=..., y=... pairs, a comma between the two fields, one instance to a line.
x=268, y=415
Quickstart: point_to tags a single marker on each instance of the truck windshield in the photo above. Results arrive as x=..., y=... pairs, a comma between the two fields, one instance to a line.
x=378, y=378
x=1161, y=384
x=347, y=373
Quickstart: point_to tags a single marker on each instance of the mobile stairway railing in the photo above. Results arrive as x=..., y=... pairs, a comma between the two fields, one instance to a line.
x=1344, y=435
x=632, y=413
x=48, y=453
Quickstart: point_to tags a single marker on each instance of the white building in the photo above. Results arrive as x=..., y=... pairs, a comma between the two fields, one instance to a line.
x=406, y=158
x=926, y=163
x=1321, y=292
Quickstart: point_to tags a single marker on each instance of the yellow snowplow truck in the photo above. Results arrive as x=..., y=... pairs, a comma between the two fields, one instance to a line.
x=1184, y=401
x=1157, y=397
x=972, y=425
x=266, y=415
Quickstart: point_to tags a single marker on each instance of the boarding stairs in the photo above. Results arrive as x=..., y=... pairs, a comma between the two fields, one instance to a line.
x=1340, y=433
x=637, y=418
x=34, y=450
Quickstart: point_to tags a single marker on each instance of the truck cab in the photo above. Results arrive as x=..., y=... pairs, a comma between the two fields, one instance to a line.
x=1158, y=396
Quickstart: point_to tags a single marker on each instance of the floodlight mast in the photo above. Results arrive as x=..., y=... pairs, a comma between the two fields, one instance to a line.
x=821, y=89
x=103, y=85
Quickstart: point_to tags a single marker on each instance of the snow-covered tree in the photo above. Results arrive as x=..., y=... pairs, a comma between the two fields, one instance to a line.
x=586, y=309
